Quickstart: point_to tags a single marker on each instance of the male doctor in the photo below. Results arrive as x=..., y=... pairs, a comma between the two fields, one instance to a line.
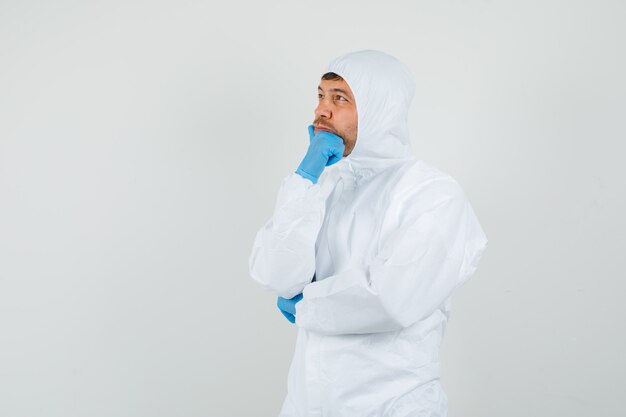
x=364, y=249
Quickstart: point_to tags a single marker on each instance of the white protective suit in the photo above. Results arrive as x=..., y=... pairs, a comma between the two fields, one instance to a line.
x=388, y=238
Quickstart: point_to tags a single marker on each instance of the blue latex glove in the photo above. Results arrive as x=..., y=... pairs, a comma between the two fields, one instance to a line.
x=325, y=149
x=287, y=306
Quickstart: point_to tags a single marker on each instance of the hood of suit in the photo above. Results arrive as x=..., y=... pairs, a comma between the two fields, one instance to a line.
x=383, y=88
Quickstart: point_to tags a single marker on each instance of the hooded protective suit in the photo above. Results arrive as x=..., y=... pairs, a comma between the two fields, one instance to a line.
x=388, y=238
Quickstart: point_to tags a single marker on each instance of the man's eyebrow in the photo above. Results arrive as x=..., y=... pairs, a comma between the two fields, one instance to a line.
x=337, y=90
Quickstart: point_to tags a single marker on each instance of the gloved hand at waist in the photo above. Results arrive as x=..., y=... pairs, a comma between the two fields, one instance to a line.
x=287, y=306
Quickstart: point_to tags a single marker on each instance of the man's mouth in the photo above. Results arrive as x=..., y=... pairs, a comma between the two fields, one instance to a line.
x=324, y=128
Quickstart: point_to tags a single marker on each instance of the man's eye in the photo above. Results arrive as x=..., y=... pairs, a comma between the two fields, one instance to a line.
x=320, y=96
x=340, y=98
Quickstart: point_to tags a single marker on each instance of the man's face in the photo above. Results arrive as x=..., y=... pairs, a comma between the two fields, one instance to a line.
x=336, y=112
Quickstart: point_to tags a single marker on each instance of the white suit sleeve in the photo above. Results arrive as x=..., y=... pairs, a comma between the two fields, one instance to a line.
x=416, y=269
x=283, y=254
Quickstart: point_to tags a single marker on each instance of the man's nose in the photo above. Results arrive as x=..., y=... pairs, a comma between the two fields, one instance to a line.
x=323, y=109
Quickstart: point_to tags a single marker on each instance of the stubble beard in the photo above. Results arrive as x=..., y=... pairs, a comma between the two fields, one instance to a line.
x=350, y=134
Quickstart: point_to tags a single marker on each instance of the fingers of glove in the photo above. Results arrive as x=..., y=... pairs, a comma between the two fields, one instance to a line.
x=289, y=304
x=282, y=304
x=328, y=147
x=335, y=153
x=332, y=144
x=328, y=137
x=288, y=316
x=311, y=133
x=286, y=305
x=333, y=160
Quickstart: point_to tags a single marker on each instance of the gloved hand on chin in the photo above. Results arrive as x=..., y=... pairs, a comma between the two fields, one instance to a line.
x=325, y=149
x=287, y=306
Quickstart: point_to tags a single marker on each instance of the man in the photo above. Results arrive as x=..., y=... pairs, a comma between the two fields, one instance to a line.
x=364, y=249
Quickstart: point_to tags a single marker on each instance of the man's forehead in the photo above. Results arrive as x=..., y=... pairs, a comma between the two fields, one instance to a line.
x=339, y=86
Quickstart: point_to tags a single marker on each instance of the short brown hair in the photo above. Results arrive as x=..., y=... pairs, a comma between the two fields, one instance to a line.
x=331, y=76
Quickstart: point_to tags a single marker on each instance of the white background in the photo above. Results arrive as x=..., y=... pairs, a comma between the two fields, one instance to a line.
x=142, y=144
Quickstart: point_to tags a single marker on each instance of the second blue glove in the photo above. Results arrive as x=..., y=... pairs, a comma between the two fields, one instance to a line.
x=287, y=306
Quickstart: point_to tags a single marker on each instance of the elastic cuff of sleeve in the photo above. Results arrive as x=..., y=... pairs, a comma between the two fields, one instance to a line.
x=306, y=175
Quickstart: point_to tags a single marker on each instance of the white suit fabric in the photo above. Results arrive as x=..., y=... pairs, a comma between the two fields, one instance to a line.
x=388, y=238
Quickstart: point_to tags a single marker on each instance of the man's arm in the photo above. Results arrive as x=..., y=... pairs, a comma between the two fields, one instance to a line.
x=283, y=254
x=415, y=271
